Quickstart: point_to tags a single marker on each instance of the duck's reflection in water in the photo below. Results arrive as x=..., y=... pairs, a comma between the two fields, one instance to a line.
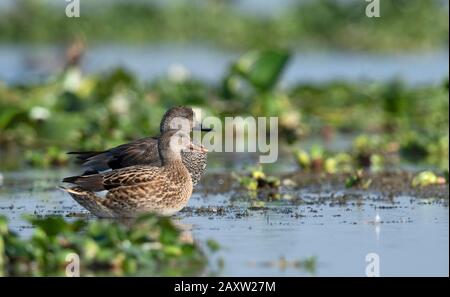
x=185, y=229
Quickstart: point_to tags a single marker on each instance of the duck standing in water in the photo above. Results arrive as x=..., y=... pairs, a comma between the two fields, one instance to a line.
x=141, y=188
x=144, y=151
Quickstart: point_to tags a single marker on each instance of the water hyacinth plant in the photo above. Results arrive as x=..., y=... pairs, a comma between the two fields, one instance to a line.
x=427, y=178
x=357, y=179
x=45, y=119
x=317, y=160
x=150, y=245
x=256, y=179
x=259, y=184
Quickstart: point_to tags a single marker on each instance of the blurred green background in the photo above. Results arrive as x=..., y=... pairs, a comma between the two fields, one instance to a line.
x=326, y=69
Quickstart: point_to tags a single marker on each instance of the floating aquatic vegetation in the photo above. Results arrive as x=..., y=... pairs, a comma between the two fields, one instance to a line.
x=256, y=179
x=317, y=160
x=257, y=205
x=150, y=245
x=427, y=178
x=413, y=147
x=106, y=110
x=426, y=148
x=374, y=152
x=312, y=160
x=51, y=156
x=259, y=184
x=357, y=179
x=438, y=152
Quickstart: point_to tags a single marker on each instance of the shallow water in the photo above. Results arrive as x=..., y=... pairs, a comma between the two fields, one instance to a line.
x=411, y=237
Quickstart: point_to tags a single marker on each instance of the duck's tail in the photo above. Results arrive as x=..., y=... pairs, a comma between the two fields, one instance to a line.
x=90, y=201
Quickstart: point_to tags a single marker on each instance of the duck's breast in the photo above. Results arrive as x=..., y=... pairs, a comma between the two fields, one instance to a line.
x=195, y=163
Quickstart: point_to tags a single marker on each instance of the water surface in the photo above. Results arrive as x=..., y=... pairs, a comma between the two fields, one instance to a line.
x=19, y=64
x=411, y=237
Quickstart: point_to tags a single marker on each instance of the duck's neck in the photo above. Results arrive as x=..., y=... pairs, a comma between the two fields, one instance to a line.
x=170, y=158
x=172, y=162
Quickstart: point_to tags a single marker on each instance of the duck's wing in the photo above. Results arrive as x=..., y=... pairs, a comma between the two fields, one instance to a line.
x=133, y=175
x=139, y=152
x=130, y=176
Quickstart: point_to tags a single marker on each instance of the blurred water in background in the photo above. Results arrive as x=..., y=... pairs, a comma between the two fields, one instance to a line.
x=19, y=64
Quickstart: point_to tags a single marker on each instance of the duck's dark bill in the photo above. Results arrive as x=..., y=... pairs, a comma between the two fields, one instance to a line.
x=201, y=128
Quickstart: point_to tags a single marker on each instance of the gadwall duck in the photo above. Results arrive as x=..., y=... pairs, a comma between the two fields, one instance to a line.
x=144, y=151
x=141, y=188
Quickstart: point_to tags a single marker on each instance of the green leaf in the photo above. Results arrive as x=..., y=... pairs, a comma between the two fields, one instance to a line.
x=262, y=69
x=213, y=245
x=3, y=225
x=51, y=225
x=62, y=127
x=7, y=115
x=427, y=178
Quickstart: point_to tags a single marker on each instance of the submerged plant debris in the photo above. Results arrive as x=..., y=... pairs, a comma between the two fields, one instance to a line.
x=309, y=264
x=386, y=184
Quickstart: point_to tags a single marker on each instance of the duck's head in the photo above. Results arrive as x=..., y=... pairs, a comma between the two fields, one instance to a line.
x=172, y=142
x=180, y=118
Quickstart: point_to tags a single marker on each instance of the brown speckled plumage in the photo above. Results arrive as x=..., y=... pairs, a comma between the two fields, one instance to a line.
x=145, y=151
x=141, y=188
